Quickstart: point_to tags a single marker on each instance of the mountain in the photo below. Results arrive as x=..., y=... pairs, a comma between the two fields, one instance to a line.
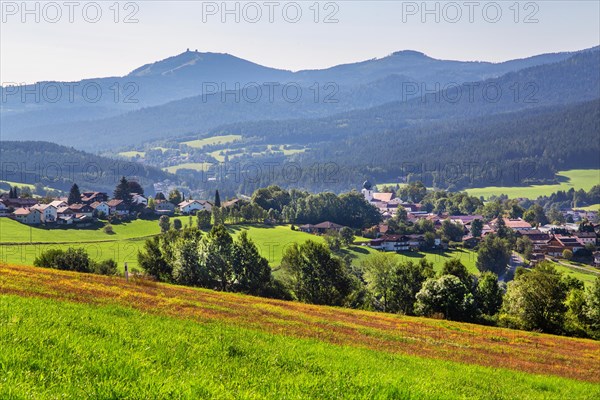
x=59, y=167
x=573, y=80
x=121, y=105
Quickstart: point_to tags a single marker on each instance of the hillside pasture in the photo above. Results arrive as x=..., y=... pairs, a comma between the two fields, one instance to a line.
x=211, y=141
x=256, y=340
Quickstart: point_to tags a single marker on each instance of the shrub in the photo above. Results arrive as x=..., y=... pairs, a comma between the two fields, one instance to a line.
x=108, y=229
x=106, y=267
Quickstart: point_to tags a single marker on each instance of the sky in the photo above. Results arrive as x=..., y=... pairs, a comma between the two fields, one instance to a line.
x=84, y=39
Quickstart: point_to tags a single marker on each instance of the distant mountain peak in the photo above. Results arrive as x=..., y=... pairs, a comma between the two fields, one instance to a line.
x=410, y=53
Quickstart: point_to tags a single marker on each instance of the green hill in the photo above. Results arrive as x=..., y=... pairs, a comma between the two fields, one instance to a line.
x=68, y=335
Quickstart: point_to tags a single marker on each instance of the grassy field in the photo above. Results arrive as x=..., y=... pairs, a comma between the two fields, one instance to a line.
x=576, y=178
x=123, y=245
x=69, y=335
x=132, y=154
x=593, y=207
x=195, y=166
x=199, y=143
x=587, y=277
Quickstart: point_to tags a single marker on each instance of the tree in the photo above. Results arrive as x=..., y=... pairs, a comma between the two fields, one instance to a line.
x=74, y=195
x=151, y=204
x=380, y=270
x=122, y=191
x=447, y=296
x=524, y=245
x=535, y=215
x=315, y=276
x=493, y=255
x=217, y=199
x=160, y=196
x=414, y=191
x=164, y=223
x=151, y=259
x=476, y=227
x=592, y=308
x=333, y=240
x=203, y=219
x=456, y=268
x=252, y=272
x=406, y=283
x=217, y=216
x=536, y=299
x=451, y=231
x=177, y=224
x=489, y=294
x=347, y=235
x=135, y=187
x=215, y=256
x=567, y=254
x=175, y=197
x=187, y=269
x=401, y=214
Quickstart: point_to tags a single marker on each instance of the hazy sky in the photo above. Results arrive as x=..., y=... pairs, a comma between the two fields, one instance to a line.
x=71, y=42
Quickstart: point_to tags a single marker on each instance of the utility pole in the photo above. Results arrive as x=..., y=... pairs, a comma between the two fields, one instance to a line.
x=126, y=273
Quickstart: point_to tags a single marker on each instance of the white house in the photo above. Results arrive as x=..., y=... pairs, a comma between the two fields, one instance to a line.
x=28, y=216
x=100, y=207
x=48, y=212
x=191, y=206
x=3, y=209
x=58, y=204
x=139, y=199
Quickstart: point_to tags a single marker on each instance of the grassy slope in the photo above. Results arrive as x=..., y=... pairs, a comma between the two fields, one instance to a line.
x=212, y=141
x=194, y=166
x=575, y=178
x=129, y=238
x=199, y=343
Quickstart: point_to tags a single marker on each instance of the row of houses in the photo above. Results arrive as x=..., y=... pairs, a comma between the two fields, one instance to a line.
x=93, y=205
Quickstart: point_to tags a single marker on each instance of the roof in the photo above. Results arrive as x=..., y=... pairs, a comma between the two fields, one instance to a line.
x=57, y=203
x=516, y=223
x=95, y=204
x=188, y=202
x=585, y=234
x=383, y=196
x=114, y=202
x=22, y=211
x=328, y=225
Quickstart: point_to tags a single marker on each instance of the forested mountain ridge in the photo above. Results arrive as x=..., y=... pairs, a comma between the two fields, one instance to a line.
x=163, y=99
x=57, y=167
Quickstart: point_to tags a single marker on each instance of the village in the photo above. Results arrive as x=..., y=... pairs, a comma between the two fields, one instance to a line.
x=549, y=240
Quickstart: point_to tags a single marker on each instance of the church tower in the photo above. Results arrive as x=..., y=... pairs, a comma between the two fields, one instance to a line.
x=367, y=191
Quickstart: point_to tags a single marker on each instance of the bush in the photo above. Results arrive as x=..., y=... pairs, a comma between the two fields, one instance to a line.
x=108, y=229
x=567, y=254
x=106, y=267
x=70, y=260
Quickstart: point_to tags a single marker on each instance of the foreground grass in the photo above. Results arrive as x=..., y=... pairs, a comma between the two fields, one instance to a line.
x=386, y=334
x=576, y=178
x=54, y=349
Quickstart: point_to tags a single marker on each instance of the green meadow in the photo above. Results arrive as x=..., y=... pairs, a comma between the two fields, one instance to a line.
x=199, y=143
x=194, y=166
x=21, y=244
x=54, y=349
x=576, y=178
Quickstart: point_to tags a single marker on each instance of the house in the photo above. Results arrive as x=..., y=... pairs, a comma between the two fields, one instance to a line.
x=58, y=204
x=597, y=258
x=586, y=237
x=28, y=216
x=139, y=199
x=192, y=206
x=514, y=223
x=383, y=197
x=118, y=207
x=93, y=197
x=164, y=207
x=4, y=209
x=84, y=209
x=539, y=239
x=48, y=212
x=321, y=228
x=19, y=203
x=397, y=242
x=64, y=211
x=100, y=207
x=560, y=243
